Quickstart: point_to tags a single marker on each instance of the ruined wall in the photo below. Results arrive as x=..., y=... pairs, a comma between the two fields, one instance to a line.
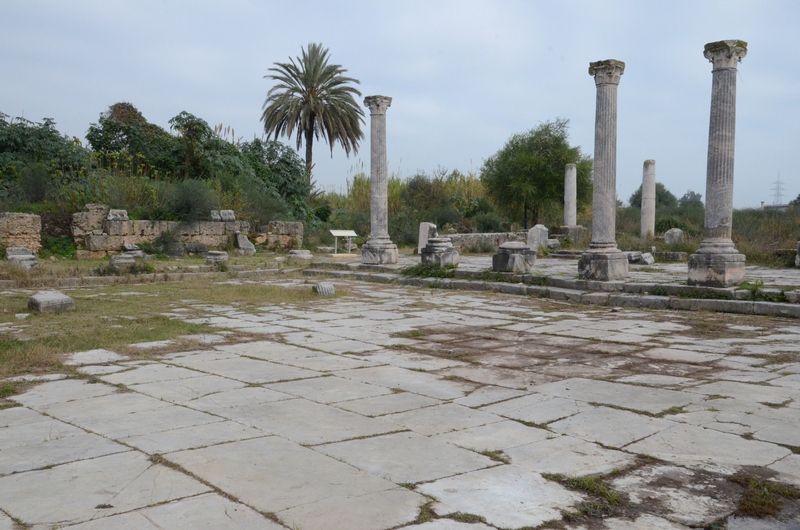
x=282, y=235
x=21, y=230
x=484, y=242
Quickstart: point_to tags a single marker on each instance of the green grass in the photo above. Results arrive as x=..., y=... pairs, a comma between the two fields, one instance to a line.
x=762, y=498
x=428, y=271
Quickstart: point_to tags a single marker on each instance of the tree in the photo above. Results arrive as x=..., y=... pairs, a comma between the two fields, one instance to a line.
x=691, y=198
x=528, y=171
x=317, y=100
x=664, y=198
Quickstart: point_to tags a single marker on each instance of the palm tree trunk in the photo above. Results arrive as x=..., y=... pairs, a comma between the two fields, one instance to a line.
x=309, y=143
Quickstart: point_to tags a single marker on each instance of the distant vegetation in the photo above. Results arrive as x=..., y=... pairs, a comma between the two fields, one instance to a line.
x=181, y=173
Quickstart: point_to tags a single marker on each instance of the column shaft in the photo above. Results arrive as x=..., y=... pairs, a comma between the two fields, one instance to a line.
x=570, y=195
x=604, y=204
x=648, y=199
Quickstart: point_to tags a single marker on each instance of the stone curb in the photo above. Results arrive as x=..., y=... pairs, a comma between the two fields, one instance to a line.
x=612, y=294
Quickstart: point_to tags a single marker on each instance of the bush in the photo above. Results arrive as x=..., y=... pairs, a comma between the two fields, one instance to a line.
x=57, y=246
x=189, y=201
x=488, y=222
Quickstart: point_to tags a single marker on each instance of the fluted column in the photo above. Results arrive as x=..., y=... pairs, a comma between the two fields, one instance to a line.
x=648, y=199
x=717, y=262
x=379, y=248
x=604, y=261
x=570, y=195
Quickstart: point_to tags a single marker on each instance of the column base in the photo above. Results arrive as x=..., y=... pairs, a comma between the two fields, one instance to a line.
x=716, y=270
x=379, y=253
x=603, y=266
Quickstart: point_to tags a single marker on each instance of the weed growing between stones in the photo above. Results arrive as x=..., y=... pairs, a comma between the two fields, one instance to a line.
x=497, y=456
x=428, y=271
x=606, y=501
x=762, y=498
x=7, y=389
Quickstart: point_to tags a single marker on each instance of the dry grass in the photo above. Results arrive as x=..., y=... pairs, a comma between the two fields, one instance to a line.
x=113, y=317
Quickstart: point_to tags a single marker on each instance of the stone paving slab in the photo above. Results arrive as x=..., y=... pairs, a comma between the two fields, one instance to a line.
x=329, y=389
x=610, y=427
x=150, y=373
x=247, y=370
x=98, y=356
x=441, y=418
x=388, y=404
x=41, y=396
x=418, y=382
x=495, y=436
x=73, y=493
x=690, y=445
x=507, y=496
x=568, y=456
x=221, y=403
x=309, y=423
x=41, y=452
x=184, y=390
x=653, y=400
x=788, y=469
x=448, y=524
x=747, y=392
x=191, y=437
x=263, y=473
x=406, y=457
x=209, y=511
x=538, y=408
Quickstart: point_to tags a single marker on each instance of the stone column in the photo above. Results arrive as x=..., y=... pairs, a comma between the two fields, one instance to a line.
x=378, y=249
x=604, y=261
x=717, y=263
x=648, y=199
x=570, y=195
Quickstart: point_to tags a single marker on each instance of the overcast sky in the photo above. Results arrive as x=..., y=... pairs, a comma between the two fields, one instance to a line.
x=464, y=75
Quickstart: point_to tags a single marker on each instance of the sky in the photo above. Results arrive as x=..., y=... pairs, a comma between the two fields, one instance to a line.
x=464, y=75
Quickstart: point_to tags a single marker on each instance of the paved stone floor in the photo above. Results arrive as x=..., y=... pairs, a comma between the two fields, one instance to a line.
x=371, y=410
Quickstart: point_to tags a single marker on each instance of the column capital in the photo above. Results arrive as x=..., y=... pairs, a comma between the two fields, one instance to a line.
x=725, y=54
x=378, y=104
x=606, y=72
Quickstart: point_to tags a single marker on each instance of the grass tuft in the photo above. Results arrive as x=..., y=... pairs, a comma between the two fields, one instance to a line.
x=762, y=498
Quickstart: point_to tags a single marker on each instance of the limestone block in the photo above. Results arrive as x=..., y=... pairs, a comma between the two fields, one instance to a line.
x=244, y=245
x=231, y=227
x=379, y=253
x=426, y=231
x=122, y=261
x=286, y=228
x=117, y=215
x=196, y=248
x=214, y=257
x=553, y=243
x=142, y=229
x=716, y=270
x=513, y=256
x=537, y=237
x=91, y=218
x=279, y=242
x=90, y=254
x=117, y=227
x=648, y=258
x=213, y=229
x=440, y=251
x=300, y=255
x=21, y=230
x=21, y=257
x=104, y=242
x=602, y=266
x=215, y=215
x=227, y=215
x=50, y=302
x=324, y=289
x=673, y=236
x=633, y=257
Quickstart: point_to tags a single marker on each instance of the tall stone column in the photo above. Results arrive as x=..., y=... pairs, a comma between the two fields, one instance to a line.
x=379, y=248
x=604, y=261
x=570, y=195
x=648, y=199
x=717, y=263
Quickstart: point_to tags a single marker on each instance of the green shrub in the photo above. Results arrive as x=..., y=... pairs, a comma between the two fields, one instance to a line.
x=189, y=201
x=488, y=222
x=57, y=246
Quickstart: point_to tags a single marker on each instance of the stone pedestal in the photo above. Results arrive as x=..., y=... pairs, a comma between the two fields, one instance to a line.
x=537, y=237
x=513, y=256
x=604, y=261
x=378, y=249
x=648, y=200
x=570, y=195
x=426, y=231
x=440, y=251
x=717, y=263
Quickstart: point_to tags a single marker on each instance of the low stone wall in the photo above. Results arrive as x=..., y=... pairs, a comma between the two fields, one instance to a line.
x=485, y=242
x=282, y=235
x=116, y=234
x=21, y=230
x=90, y=219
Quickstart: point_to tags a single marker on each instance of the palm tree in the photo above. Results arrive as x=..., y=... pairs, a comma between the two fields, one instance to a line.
x=315, y=98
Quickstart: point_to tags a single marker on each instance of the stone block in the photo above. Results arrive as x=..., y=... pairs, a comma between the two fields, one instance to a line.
x=671, y=257
x=21, y=257
x=379, y=254
x=633, y=257
x=572, y=232
x=213, y=257
x=324, y=289
x=21, y=230
x=716, y=270
x=513, y=256
x=122, y=261
x=50, y=302
x=104, y=242
x=439, y=251
x=426, y=231
x=117, y=215
x=244, y=245
x=215, y=216
x=537, y=237
x=648, y=258
x=90, y=254
x=117, y=227
x=603, y=266
x=227, y=215
x=673, y=236
x=553, y=243
x=195, y=248
x=300, y=255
